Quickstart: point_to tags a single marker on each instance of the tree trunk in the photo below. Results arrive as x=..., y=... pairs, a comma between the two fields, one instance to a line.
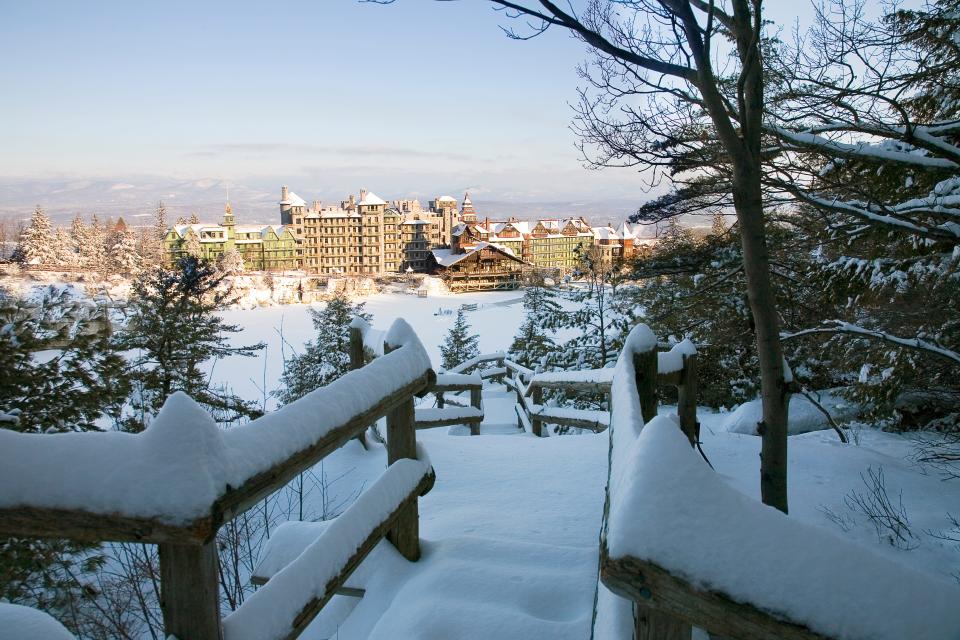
x=763, y=305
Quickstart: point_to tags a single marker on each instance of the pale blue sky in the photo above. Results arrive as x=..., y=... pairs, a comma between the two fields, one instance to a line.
x=413, y=98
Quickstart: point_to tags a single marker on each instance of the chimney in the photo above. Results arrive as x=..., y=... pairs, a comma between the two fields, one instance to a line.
x=363, y=194
x=316, y=205
x=284, y=192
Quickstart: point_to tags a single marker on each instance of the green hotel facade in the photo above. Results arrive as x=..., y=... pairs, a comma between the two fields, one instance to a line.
x=262, y=247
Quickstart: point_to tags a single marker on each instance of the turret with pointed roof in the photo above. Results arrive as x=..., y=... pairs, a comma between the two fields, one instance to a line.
x=467, y=212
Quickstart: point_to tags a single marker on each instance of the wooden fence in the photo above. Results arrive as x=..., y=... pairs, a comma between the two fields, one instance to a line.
x=667, y=602
x=188, y=554
x=677, y=367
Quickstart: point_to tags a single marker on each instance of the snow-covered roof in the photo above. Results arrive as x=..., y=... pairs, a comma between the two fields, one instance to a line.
x=624, y=232
x=446, y=198
x=605, y=233
x=294, y=200
x=446, y=257
x=371, y=199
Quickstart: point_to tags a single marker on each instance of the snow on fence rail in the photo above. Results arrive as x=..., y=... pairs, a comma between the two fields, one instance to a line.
x=680, y=548
x=676, y=367
x=177, y=482
x=362, y=350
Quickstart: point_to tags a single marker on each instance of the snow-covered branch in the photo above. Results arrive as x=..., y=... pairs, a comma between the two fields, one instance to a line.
x=838, y=326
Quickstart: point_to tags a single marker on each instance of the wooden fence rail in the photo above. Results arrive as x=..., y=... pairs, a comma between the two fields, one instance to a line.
x=671, y=582
x=676, y=367
x=187, y=549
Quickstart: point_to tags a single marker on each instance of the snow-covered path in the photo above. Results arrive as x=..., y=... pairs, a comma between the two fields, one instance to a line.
x=510, y=535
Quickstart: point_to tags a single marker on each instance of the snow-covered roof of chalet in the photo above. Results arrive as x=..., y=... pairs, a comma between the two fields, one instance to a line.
x=446, y=258
x=448, y=198
x=371, y=199
x=459, y=229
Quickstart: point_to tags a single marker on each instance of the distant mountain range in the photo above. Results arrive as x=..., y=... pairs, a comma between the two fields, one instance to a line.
x=253, y=201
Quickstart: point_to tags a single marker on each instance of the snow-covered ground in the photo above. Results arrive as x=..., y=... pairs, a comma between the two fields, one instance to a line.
x=496, y=319
x=510, y=528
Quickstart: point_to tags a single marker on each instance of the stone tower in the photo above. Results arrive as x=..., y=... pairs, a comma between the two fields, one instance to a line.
x=286, y=216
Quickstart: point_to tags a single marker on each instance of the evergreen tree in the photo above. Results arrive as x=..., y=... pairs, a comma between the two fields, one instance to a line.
x=79, y=237
x=61, y=251
x=327, y=356
x=459, y=345
x=194, y=219
x=124, y=255
x=77, y=390
x=158, y=234
x=172, y=330
x=601, y=314
x=532, y=347
x=93, y=251
x=36, y=241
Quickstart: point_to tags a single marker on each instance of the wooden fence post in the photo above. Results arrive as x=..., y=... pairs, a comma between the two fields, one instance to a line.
x=645, y=366
x=655, y=625
x=475, y=401
x=440, y=401
x=687, y=400
x=402, y=443
x=535, y=423
x=190, y=591
x=356, y=362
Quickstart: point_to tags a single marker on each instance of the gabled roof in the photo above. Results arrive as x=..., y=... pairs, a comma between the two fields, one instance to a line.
x=446, y=258
x=294, y=200
x=605, y=233
x=372, y=199
x=624, y=232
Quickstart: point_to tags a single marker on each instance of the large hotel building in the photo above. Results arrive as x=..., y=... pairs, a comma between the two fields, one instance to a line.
x=367, y=235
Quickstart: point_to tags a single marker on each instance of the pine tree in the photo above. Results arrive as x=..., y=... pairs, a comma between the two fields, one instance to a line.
x=124, y=256
x=154, y=239
x=79, y=237
x=75, y=391
x=194, y=219
x=532, y=347
x=173, y=329
x=93, y=253
x=459, y=345
x=61, y=251
x=327, y=356
x=36, y=242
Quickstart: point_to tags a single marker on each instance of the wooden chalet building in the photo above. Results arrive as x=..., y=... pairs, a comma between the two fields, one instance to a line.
x=481, y=267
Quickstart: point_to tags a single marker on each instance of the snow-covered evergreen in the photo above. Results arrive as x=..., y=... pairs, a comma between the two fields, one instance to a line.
x=326, y=357
x=36, y=242
x=459, y=344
